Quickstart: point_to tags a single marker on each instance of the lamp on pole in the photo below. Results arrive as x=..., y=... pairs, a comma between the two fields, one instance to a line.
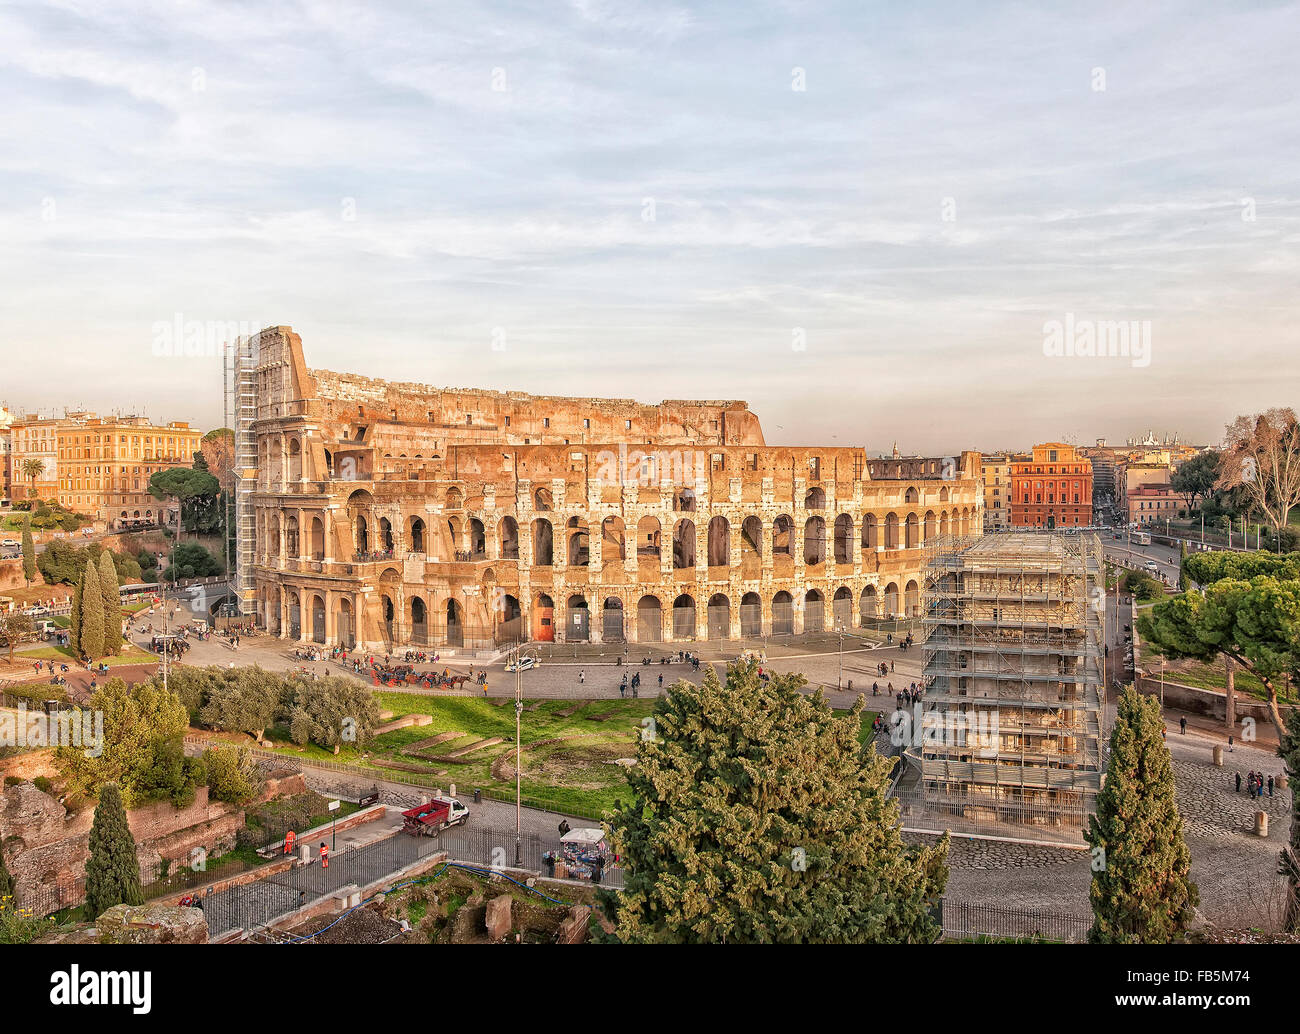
x=519, y=757
x=839, y=682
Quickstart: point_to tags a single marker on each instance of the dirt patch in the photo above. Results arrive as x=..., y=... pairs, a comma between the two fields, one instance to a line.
x=360, y=926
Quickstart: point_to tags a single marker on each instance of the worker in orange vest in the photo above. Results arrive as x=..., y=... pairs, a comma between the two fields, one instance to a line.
x=288, y=842
x=324, y=855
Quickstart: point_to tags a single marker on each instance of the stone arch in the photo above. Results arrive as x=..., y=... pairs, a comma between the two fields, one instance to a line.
x=842, y=609
x=929, y=527
x=684, y=617
x=891, y=601
x=868, y=610
x=912, y=530
x=783, y=536
x=870, y=532
x=384, y=539
x=719, y=541
x=649, y=619
x=577, y=619
x=455, y=623
x=782, y=613
x=684, y=500
x=508, y=535
x=648, y=532
x=317, y=539
x=542, y=499
x=613, y=629
x=912, y=496
x=719, y=616
x=683, y=544
x=751, y=615
x=317, y=618
x=891, y=530
x=419, y=617
x=295, y=459
x=455, y=499
x=814, y=611
x=814, y=541
x=577, y=542
x=844, y=539
x=814, y=499
x=543, y=625
x=912, y=599
x=613, y=539
x=543, y=543
x=477, y=539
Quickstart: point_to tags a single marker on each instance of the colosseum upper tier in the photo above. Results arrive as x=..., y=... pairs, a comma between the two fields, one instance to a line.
x=389, y=515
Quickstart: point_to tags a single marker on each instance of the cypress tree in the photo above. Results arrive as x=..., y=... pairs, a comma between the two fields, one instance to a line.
x=757, y=817
x=1142, y=891
x=113, y=870
x=1184, y=582
x=112, y=603
x=29, y=551
x=92, y=614
x=74, y=617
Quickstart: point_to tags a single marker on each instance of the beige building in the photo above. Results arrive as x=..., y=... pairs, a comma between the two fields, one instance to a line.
x=104, y=466
x=34, y=457
x=995, y=476
x=387, y=514
x=1013, y=670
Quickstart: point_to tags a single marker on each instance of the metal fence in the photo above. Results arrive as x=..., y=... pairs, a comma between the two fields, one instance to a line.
x=258, y=903
x=965, y=920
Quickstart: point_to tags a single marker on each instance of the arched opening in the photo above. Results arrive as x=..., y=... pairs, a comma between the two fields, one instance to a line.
x=295, y=460
x=509, y=532
x=385, y=534
x=543, y=554
x=929, y=526
x=867, y=605
x=612, y=630
x=842, y=608
x=913, y=531
x=751, y=548
x=577, y=620
x=542, y=499
x=891, y=601
x=719, y=542
x=782, y=613
x=613, y=543
x=891, y=531
x=912, y=600
x=751, y=615
x=814, y=541
x=295, y=616
x=510, y=619
x=684, y=500
x=477, y=539
x=361, y=535
x=870, y=534
x=844, y=539
x=579, y=552
x=419, y=622
x=291, y=536
x=544, y=619
x=719, y=616
x=455, y=624
x=389, y=615
x=814, y=611
x=683, y=545
x=455, y=499
x=317, y=539
x=649, y=620
x=415, y=535
x=912, y=496
x=317, y=620
x=783, y=536
x=684, y=617
x=815, y=499
x=647, y=537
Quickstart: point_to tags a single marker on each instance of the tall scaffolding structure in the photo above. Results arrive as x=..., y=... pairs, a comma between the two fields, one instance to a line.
x=240, y=382
x=1013, y=673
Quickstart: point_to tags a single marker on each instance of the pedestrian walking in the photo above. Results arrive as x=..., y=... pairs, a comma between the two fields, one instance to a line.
x=1270, y=786
x=582, y=677
x=661, y=680
x=1183, y=722
x=1238, y=782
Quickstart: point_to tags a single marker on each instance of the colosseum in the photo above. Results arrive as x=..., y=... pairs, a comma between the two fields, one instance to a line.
x=385, y=515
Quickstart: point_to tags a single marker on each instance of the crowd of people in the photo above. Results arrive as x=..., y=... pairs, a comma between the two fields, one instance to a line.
x=1255, y=784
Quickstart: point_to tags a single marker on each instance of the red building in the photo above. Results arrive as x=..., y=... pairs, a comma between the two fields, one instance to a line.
x=1051, y=488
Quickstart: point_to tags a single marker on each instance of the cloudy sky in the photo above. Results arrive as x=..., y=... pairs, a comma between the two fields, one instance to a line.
x=859, y=217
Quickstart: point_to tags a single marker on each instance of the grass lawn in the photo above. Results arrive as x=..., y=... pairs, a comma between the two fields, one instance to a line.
x=1211, y=676
x=570, y=746
x=129, y=655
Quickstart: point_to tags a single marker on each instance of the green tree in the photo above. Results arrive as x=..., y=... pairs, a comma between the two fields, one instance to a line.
x=1195, y=479
x=134, y=717
x=331, y=711
x=14, y=625
x=248, y=703
x=92, y=614
x=61, y=562
x=29, y=551
x=113, y=870
x=756, y=817
x=112, y=604
x=1142, y=891
x=231, y=774
x=1184, y=582
x=168, y=775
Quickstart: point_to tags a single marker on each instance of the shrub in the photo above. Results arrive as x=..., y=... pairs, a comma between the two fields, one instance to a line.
x=44, y=783
x=14, y=780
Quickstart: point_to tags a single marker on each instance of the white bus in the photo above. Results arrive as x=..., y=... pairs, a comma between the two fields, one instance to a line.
x=1141, y=538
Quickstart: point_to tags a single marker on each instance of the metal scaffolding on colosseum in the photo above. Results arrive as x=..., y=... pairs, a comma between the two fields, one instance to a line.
x=1011, y=738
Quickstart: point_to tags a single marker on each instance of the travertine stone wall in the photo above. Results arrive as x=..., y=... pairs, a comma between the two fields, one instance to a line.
x=394, y=514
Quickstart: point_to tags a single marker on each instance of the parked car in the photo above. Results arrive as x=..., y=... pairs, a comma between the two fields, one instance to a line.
x=11, y=544
x=525, y=663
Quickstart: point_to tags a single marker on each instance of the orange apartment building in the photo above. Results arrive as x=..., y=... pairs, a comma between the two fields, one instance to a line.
x=1051, y=488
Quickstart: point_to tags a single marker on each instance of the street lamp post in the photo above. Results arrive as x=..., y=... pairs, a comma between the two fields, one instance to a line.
x=839, y=682
x=519, y=757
